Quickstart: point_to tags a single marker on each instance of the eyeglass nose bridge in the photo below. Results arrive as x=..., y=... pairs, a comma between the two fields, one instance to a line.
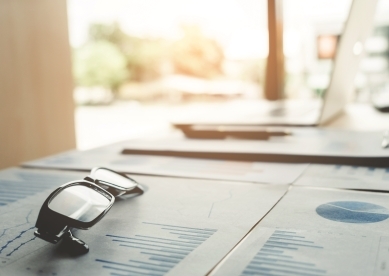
x=110, y=187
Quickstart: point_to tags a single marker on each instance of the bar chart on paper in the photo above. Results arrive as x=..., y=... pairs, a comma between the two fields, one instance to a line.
x=367, y=172
x=277, y=256
x=157, y=253
x=16, y=185
x=270, y=251
x=345, y=177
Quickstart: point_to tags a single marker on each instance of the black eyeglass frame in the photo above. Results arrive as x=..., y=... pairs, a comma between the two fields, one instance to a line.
x=114, y=189
x=53, y=225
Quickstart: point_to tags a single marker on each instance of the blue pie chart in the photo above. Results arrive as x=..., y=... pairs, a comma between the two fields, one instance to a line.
x=352, y=212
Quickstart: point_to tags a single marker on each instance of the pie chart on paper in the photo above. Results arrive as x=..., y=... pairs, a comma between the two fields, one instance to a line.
x=352, y=212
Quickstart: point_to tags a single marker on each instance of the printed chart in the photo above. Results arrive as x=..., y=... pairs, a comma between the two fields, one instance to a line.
x=277, y=256
x=345, y=177
x=22, y=184
x=16, y=236
x=158, y=253
x=285, y=252
x=353, y=212
x=21, y=193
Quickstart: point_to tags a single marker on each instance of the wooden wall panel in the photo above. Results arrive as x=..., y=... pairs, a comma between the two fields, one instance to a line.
x=36, y=105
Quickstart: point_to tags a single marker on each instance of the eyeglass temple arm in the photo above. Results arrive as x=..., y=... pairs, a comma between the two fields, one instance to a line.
x=138, y=189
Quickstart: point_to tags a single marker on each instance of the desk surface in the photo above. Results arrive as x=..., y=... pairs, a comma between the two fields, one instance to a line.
x=213, y=213
x=361, y=117
x=102, y=125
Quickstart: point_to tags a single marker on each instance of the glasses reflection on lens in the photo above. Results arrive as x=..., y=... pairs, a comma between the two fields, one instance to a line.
x=80, y=203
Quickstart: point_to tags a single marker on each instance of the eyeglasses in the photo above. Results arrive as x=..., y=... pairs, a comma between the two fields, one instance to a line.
x=81, y=204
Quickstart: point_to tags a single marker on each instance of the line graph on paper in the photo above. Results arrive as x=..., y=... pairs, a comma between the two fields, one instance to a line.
x=157, y=253
x=17, y=235
x=17, y=216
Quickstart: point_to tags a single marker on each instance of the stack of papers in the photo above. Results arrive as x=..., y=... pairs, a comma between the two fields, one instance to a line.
x=345, y=177
x=210, y=216
x=177, y=227
x=303, y=146
x=110, y=157
x=317, y=232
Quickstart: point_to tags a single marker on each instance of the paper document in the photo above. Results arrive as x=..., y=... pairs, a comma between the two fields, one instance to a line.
x=345, y=177
x=178, y=227
x=317, y=232
x=110, y=157
x=22, y=193
x=304, y=145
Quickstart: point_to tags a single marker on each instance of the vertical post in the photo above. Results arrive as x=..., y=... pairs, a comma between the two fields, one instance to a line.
x=36, y=103
x=274, y=81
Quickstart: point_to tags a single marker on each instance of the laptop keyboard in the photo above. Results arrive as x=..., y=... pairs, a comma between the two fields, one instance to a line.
x=290, y=111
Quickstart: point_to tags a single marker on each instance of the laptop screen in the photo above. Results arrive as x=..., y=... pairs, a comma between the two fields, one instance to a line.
x=348, y=56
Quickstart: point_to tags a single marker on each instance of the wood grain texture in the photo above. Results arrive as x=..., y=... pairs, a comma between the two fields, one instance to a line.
x=36, y=105
x=274, y=82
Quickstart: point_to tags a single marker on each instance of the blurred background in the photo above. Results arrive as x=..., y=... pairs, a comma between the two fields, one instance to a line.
x=139, y=63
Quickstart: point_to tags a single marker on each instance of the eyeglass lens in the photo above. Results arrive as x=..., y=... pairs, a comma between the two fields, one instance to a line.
x=80, y=203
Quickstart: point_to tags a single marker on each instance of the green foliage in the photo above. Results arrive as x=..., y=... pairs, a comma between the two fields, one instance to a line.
x=111, y=57
x=100, y=63
x=143, y=56
x=111, y=33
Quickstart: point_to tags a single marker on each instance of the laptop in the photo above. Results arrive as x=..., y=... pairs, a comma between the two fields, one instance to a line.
x=308, y=112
